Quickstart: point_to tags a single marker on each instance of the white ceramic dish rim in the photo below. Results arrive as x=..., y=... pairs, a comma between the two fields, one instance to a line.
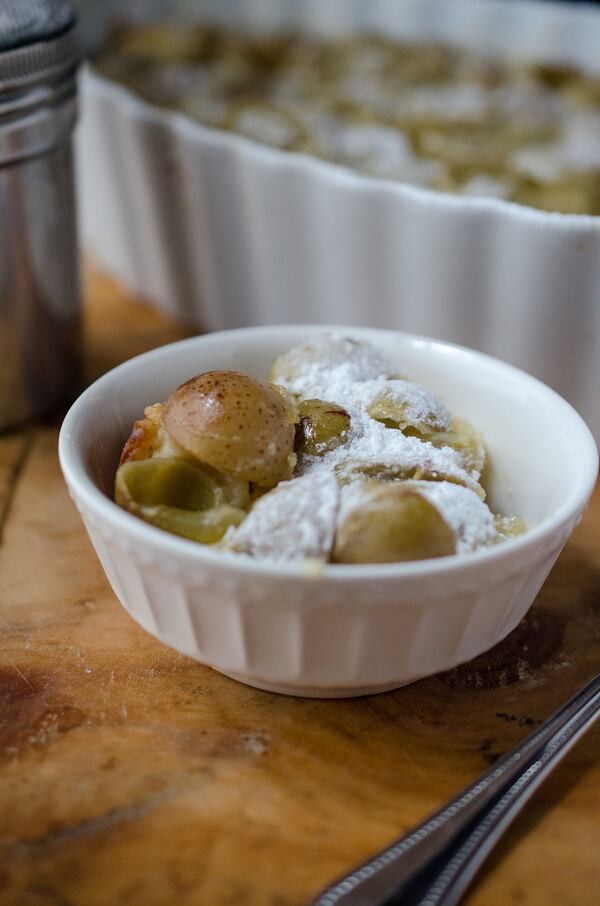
x=326, y=169
x=84, y=487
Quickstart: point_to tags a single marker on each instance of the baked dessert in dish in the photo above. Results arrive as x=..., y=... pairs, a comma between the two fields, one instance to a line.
x=318, y=629
x=336, y=459
x=424, y=114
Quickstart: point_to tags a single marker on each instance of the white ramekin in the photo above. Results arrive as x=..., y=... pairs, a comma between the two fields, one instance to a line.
x=353, y=629
x=228, y=233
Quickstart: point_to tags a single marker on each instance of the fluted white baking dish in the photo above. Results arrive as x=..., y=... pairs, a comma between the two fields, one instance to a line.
x=225, y=232
x=352, y=629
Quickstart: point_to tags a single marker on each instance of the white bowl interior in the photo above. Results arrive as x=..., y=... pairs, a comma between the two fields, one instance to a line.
x=541, y=455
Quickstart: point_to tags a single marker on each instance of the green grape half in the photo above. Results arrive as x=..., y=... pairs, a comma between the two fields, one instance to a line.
x=182, y=497
x=394, y=524
x=322, y=427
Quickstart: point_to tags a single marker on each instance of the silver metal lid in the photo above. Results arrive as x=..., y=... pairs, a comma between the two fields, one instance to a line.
x=38, y=41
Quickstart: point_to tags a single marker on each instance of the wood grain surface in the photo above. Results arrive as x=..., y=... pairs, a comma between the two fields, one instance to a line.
x=132, y=775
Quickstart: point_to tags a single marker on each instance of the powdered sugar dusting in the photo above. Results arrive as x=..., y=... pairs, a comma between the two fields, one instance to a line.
x=380, y=452
x=354, y=375
x=352, y=497
x=294, y=521
x=298, y=519
x=267, y=125
x=418, y=406
x=342, y=358
x=462, y=510
x=467, y=515
x=383, y=151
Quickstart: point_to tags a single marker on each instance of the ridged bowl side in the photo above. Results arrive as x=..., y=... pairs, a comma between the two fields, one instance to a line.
x=322, y=639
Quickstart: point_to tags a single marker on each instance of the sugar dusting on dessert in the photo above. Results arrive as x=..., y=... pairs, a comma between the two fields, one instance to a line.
x=380, y=452
x=298, y=519
x=294, y=521
x=461, y=508
x=355, y=375
x=349, y=359
x=418, y=405
x=466, y=514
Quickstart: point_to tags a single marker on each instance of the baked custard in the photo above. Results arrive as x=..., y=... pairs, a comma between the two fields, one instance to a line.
x=425, y=114
x=336, y=459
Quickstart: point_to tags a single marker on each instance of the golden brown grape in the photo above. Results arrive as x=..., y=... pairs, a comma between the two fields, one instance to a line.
x=161, y=43
x=234, y=423
x=408, y=406
x=322, y=427
x=394, y=523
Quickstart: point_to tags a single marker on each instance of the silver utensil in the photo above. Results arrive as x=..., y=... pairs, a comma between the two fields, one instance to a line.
x=435, y=862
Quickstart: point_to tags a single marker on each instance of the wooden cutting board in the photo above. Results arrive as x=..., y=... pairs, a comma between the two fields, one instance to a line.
x=132, y=775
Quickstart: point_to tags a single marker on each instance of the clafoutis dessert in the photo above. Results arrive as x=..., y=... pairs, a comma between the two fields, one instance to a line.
x=426, y=114
x=335, y=459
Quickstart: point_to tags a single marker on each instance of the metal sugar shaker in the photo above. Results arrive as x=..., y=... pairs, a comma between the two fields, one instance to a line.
x=39, y=286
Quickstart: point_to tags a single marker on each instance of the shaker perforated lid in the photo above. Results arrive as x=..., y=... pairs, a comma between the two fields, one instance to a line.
x=37, y=41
